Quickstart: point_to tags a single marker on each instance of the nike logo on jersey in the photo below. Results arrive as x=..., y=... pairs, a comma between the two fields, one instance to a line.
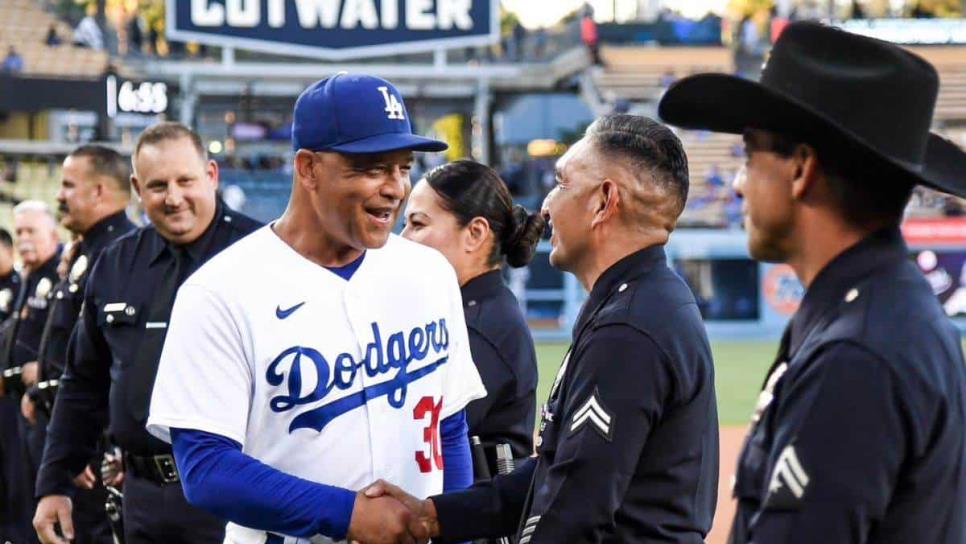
x=306, y=376
x=282, y=314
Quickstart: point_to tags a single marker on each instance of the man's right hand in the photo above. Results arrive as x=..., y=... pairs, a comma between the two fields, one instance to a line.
x=51, y=510
x=381, y=520
x=112, y=470
x=422, y=522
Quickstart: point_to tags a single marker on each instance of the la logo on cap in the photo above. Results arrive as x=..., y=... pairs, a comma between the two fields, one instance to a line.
x=358, y=113
x=393, y=106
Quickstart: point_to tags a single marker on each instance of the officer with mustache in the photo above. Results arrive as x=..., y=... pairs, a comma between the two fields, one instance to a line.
x=94, y=192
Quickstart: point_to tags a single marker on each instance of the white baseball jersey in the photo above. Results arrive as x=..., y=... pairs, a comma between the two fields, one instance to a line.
x=334, y=381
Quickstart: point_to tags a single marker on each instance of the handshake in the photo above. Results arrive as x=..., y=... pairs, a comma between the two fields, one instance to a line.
x=385, y=514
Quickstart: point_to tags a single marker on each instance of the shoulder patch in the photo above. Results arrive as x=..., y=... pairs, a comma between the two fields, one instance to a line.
x=593, y=413
x=789, y=482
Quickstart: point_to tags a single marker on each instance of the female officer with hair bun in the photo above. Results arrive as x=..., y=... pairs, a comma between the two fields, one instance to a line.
x=464, y=210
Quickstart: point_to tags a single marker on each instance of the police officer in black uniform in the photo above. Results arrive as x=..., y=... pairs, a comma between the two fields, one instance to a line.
x=94, y=192
x=39, y=249
x=9, y=277
x=859, y=435
x=113, y=357
x=464, y=210
x=628, y=444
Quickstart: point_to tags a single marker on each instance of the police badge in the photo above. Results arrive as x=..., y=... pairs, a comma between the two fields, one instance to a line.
x=76, y=271
x=6, y=297
x=43, y=288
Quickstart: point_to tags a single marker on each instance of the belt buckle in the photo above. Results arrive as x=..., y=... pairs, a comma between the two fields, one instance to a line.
x=166, y=468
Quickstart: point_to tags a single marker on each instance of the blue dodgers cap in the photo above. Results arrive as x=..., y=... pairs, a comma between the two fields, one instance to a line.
x=355, y=113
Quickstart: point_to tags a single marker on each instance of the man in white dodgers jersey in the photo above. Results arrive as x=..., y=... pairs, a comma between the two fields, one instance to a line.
x=348, y=363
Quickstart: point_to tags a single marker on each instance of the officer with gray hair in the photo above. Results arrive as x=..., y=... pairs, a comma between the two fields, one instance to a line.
x=38, y=244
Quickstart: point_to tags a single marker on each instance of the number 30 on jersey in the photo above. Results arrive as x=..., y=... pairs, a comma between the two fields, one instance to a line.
x=428, y=411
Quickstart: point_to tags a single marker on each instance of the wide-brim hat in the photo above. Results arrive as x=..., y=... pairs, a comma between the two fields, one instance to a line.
x=829, y=87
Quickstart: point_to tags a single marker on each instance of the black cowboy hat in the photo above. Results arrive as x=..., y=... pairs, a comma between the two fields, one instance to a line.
x=828, y=86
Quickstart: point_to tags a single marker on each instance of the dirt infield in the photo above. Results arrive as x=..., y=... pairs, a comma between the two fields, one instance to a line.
x=731, y=439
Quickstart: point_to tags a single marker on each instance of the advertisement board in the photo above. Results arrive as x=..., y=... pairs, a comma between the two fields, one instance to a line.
x=334, y=29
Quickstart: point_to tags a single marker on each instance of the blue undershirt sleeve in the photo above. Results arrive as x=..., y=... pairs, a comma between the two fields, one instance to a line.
x=457, y=462
x=218, y=477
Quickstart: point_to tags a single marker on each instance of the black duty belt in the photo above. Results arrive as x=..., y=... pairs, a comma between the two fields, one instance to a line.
x=12, y=383
x=159, y=469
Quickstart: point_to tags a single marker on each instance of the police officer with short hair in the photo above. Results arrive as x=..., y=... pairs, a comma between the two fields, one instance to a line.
x=38, y=244
x=39, y=247
x=93, y=195
x=9, y=277
x=859, y=435
x=464, y=210
x=114, y=351
x=628, y=444
x=9, y=288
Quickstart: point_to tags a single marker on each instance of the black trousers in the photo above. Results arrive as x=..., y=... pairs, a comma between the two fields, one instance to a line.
x=90, y=519
x=156, y=514
x=16, y=499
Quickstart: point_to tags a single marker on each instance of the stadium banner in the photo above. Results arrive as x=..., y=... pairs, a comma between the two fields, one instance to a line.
x=909, y=31
x=922, y=232
x=334, y=29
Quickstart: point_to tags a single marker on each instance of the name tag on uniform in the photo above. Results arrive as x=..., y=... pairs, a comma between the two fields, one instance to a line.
x=156, y=325
x=117, y=313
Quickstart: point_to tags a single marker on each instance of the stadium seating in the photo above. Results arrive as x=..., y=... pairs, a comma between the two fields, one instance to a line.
x=950, y=61
x=706, y=203
x=23, y=24
x=634, y=73
x=266, y=191
x=31, y=180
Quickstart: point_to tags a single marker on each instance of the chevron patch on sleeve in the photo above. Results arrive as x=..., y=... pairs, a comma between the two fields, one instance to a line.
x=789, y=482
x=528, y=528
x=593, y=413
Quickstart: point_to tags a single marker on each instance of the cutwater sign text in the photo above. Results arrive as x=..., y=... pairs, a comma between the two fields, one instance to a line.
x=334, y=29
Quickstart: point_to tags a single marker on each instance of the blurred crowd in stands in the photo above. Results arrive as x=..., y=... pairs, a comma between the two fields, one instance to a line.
x=756, y=25
x=13, y=62
x=135, y=28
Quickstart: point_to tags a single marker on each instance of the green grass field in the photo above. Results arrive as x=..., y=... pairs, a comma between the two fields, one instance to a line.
x=739, y=371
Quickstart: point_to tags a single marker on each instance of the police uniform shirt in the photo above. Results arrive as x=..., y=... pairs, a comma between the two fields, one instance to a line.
x=66, y=297
x=859, y=430
x=31, y=314
x=102, y=373
x=504, y=355
x=628, y=444
x=9, y=288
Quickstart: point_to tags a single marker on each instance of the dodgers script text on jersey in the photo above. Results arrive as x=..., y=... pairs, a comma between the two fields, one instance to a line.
x=394, y=358
x=339, y=382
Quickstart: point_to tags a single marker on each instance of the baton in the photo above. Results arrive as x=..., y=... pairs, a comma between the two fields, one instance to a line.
x=504, y=465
